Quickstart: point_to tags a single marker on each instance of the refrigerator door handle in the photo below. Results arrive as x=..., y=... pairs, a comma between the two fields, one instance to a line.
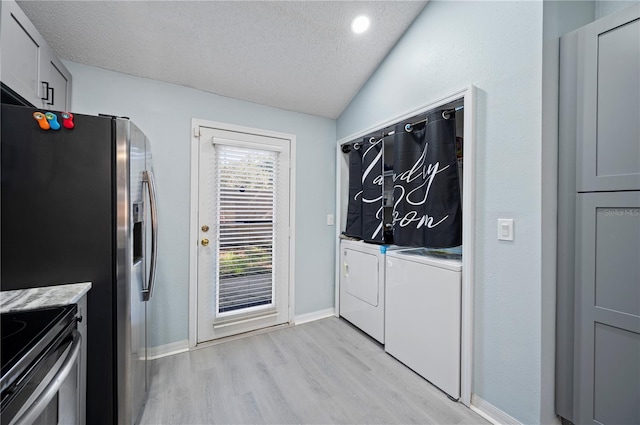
x=151, y=186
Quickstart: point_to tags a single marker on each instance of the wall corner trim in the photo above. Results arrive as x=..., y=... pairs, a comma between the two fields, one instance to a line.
x=491, y=413
x=170, y=349
x=315, y=315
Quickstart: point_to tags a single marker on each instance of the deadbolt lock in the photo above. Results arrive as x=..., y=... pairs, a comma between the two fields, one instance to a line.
x=205, y=228
x=205, y=242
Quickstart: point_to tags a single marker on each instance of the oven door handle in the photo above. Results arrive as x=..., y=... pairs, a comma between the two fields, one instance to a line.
x=40, y=403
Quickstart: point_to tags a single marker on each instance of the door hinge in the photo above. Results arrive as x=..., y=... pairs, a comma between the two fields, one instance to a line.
x=196, y=131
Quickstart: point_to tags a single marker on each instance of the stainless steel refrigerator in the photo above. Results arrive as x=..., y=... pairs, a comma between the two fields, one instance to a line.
x=79, y=204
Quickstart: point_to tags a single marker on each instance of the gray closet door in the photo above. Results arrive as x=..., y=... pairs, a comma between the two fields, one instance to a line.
x=607, y=378
x=565, y=274
x=609, y=103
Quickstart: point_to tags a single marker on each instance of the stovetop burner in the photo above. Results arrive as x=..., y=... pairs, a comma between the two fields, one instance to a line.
x=26, y=333
x=11, y=328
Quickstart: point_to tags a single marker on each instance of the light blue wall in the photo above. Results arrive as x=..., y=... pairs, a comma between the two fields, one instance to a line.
x=164, y=112
x=607, y=7
x=497, y=46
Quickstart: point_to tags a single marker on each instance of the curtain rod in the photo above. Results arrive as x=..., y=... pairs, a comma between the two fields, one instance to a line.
x=446, y=114
x=346, y=148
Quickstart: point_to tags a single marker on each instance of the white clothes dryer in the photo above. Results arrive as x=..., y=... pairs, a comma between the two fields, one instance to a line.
x=362, y=285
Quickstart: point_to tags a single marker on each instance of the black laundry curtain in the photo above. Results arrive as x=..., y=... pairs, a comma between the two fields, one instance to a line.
x=427, y=207
x=372, y=182
x=364, y=211
x=354, y=206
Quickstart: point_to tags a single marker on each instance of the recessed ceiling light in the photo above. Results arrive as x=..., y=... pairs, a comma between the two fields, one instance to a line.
x=360, y=24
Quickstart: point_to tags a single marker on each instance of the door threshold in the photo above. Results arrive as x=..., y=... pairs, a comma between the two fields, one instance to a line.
x=240, y=336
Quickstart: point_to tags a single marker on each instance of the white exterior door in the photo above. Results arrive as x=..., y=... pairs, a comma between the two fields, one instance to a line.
x=243, y=254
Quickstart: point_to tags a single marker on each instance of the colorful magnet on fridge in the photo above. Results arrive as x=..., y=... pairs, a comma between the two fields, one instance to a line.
x=53, y=121
x=67, y=120
x=42, y=121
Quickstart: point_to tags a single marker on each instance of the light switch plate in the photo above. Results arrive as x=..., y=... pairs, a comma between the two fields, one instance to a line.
x=505, y=229
x=329, y=219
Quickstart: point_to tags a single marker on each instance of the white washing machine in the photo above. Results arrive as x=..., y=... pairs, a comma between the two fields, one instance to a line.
x=362, y=285
x=423, y=314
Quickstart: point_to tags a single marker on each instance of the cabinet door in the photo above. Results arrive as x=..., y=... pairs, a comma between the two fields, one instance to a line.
x=58, y=81
x=609, y=120
x=22, y=49
x=607, y=347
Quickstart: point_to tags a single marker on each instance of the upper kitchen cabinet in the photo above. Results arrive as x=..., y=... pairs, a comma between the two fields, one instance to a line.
x=608, y=84
x=29, y=67
x=56, y=80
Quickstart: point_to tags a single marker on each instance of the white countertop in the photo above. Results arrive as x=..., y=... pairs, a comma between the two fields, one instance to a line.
x=47, y=296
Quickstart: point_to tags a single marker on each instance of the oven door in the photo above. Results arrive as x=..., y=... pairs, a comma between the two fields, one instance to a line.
x=48, y=392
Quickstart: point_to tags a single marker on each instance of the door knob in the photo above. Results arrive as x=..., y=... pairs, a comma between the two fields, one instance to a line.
x=205, y=228
x=205, y=242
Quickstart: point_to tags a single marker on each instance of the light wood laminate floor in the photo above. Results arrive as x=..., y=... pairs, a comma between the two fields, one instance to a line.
x=322, y=372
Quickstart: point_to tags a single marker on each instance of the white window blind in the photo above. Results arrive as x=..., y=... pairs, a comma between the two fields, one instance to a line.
x=246, y=197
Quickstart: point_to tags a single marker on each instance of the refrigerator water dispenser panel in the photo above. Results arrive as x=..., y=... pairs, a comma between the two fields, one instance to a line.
x=138, y=233
x=137, y=212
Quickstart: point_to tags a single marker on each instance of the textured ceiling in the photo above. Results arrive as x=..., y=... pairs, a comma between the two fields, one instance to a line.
x=300, y=56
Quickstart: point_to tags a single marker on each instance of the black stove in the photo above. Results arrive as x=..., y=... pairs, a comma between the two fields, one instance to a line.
x=26, y=335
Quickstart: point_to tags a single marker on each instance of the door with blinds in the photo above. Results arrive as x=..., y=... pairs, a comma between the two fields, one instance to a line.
x=243, y=225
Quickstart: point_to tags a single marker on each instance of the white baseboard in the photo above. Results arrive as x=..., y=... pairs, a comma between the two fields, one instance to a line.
x=167, y=349
x=491, y=412
x=316, y=315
